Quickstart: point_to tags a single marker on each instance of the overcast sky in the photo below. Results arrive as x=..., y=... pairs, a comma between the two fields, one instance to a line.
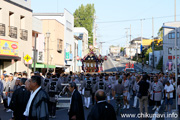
x=123, y=12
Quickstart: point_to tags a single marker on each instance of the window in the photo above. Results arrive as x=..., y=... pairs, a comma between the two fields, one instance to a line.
x=2, y=29
x=68, y=26
x=22, y=22
x=172, y=35
x=177, y=34
x=12, y=29
x=1, y=15
x=59, y=45
x=169, y=50
x=23, y=32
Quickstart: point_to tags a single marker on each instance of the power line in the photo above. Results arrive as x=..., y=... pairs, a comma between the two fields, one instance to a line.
x=137, y=19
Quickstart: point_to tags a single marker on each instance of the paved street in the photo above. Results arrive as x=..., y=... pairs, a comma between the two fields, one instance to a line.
x=110, y=65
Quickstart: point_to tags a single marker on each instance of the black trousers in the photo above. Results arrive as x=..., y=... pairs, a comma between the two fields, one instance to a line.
x=52, y=108
x=5, y=103
x=93, y=98
x=179, y=110
x=157, y=103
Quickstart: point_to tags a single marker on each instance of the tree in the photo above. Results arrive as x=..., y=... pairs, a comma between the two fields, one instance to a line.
x=147, y=54
x=160, y=33
x=122, y=49
x=84, y=17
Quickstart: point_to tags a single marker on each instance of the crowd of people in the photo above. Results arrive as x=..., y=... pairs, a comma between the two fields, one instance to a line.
x=35, y=97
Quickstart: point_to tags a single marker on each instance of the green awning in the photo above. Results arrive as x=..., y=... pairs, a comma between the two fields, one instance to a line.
x=39, y=65
x=50, y=66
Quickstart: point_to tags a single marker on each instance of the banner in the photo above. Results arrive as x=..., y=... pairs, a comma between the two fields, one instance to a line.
x=67, y=56
x=8, y=47
x=80, y=48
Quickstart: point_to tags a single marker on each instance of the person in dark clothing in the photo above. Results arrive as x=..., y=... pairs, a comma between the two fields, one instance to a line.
x=37, y=106
x=102, y=110
x=76, y=111
x=143, y=91
x=19, y=101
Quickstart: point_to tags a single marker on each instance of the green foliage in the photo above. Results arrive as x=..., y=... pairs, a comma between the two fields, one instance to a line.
x=84, y=17
x=122, y=49
x=147, y=54
x=160, y=64
x=160, y=33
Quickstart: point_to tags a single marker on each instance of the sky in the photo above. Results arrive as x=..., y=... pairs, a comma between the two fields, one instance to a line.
x=114, y=16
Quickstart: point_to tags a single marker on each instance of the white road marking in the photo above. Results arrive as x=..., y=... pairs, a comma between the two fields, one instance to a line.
x=113, y=63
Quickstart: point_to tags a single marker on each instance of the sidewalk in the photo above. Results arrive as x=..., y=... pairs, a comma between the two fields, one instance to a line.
x=146, y=68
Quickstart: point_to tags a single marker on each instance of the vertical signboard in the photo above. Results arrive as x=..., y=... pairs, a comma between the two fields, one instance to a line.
x=40, y=48
x=8, y=47
x=79, y=52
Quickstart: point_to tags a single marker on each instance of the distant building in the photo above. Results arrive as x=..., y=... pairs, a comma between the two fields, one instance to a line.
x=169, y=45
x=157, y=56
x=114, y=50
x=67, y=20
x=134, y=47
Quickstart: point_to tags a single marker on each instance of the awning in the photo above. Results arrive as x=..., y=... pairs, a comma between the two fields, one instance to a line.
x=60, y=66
x=39, y=65
x=6, y=57
x=50, y=66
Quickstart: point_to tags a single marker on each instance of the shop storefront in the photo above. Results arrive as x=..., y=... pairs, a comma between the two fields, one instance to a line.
x=8, y=55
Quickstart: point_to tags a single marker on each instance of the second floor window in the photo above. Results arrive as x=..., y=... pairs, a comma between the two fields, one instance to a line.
x=172, y=35
x=59, y=45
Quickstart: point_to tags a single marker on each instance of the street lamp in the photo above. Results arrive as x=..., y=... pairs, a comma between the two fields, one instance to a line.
x=47, y=36
x=175, y=47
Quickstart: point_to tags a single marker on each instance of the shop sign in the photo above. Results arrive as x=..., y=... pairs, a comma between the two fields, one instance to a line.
x=67, y=56
x=8, y=47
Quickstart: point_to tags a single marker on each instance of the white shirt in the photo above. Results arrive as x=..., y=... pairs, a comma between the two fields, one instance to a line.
x=101, y=101
x=168, y=89
x=26, y=112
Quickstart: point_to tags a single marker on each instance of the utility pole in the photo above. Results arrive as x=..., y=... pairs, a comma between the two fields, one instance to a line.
x=47, y=36
x=141, y=42
x=137, y=52
x=175, y=10
x=127, y=37
x=153, y=42
x=35, y=53
x=130, y=41
x=94, y=31
x=101, y=46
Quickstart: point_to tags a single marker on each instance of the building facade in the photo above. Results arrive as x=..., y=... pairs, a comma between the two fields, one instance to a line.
x=157, y=57
x=169, y=45
x=114, y=50
x=81, y=35
x=15, y=35
x=67, y=19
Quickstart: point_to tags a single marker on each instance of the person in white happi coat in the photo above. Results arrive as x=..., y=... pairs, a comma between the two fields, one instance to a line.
x=156, y=93
x=108, y=83
x=136, y=90
x=126, y=92
x=87, y=86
